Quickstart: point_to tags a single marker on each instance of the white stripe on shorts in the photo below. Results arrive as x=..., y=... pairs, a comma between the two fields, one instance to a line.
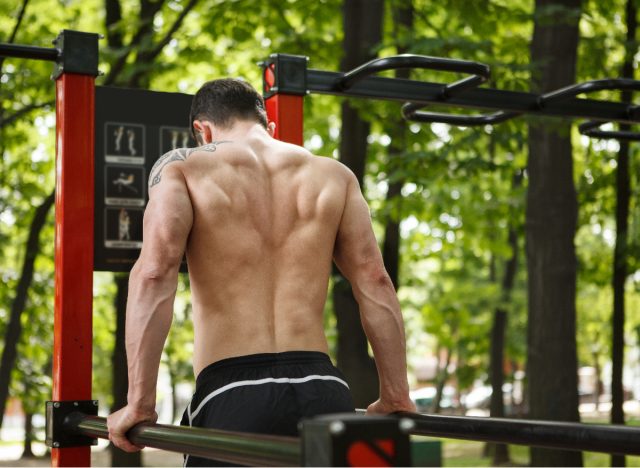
x=244, y=383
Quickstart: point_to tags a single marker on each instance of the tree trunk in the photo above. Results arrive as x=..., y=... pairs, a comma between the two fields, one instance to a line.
x=598, y=372
x=119, y=366
x=443, y=376
x=496, y=365
x=551, y=224
x=27, y=452
x=623, y=193
x=397, y=130
x=14, y=326
x=362, y=31
x=173, y=381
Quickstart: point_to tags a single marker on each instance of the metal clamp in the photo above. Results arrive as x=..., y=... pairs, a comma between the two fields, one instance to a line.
x=60, y=416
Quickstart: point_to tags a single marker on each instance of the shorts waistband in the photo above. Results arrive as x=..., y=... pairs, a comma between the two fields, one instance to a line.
x=264, y=360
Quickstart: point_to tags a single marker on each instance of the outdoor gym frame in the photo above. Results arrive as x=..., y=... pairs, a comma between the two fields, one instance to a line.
x=72, y=424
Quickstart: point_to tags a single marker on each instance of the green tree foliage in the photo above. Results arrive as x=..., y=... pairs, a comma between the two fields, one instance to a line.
x=457, y=200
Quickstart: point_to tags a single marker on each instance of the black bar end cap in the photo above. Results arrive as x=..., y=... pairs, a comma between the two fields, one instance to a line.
x=284, y=74
x=78, y=53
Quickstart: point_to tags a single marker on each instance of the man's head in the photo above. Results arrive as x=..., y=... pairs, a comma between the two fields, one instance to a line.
x=223, y=102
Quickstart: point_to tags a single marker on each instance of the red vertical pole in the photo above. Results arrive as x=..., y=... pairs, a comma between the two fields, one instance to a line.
x=285, y=110
x=284, y=86
x=72, y=341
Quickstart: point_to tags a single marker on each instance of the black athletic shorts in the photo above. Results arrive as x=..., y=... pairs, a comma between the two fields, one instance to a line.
x=265, y=393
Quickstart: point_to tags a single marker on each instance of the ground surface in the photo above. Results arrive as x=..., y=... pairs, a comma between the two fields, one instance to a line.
x=101, y=457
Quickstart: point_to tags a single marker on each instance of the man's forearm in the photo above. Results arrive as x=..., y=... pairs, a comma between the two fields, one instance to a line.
x=149, y=314
x=384, y=327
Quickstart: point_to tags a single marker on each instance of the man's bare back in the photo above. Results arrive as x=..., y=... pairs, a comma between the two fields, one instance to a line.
x=260, y=222
x=265, y=219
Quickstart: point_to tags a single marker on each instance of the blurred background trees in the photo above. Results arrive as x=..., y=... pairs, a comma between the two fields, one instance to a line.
x=460, y=213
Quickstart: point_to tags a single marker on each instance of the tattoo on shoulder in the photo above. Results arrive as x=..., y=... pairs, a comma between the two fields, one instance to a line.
x=178, y=154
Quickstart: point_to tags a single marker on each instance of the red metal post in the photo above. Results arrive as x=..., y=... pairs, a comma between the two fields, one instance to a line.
x=73, y=339
x=285, y=110
x=284, y=99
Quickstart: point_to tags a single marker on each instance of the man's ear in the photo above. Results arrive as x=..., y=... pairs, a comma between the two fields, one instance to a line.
x=271, y=128
x=203, y=132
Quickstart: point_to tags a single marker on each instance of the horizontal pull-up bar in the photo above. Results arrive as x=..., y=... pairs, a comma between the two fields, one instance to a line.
x=288, y=75
x=549, y=434
x=267, y=450
x=345, y=439
x=74, y=52
x=28, y=52
x=230, y=447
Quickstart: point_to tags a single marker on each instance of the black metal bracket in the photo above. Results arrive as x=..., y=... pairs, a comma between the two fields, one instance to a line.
x=355, y=440
x=60, y=415
x=284, y=73
x=78, y=53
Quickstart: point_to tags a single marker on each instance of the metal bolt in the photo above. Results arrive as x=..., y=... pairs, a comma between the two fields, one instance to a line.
x=56, y=444
x=95, y=402
x=75, y=403
x=56, y=405
x=337, y=428
x=406, y=425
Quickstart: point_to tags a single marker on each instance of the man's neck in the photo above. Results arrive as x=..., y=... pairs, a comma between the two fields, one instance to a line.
x=240, y=130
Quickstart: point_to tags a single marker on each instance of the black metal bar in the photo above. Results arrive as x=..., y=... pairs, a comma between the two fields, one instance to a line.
x=226, y=446
x=420, y=92
x=28, y=52
x=566, y=436
x=589, y=87
x=592, y=130
x=410, y=111
x=479, y=71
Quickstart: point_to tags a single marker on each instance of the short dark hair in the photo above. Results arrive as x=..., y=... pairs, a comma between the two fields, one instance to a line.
x=225, y=100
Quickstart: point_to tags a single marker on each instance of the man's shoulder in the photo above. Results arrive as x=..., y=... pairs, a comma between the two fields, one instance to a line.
x=331, y=167
x=167, y=161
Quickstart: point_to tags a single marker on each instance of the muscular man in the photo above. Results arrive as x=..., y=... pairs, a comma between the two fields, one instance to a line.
x=261, y=222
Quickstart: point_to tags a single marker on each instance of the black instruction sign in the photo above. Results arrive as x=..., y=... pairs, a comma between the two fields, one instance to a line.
x=133, y=129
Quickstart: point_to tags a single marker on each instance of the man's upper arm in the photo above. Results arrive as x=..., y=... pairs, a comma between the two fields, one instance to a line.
x=168, y=220
x=356, y=250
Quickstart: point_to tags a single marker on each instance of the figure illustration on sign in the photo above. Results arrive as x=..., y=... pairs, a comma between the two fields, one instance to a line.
x=125, y=181
x=175, y=135
x=131, y=136
x=119, y=132
x=124, y=221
